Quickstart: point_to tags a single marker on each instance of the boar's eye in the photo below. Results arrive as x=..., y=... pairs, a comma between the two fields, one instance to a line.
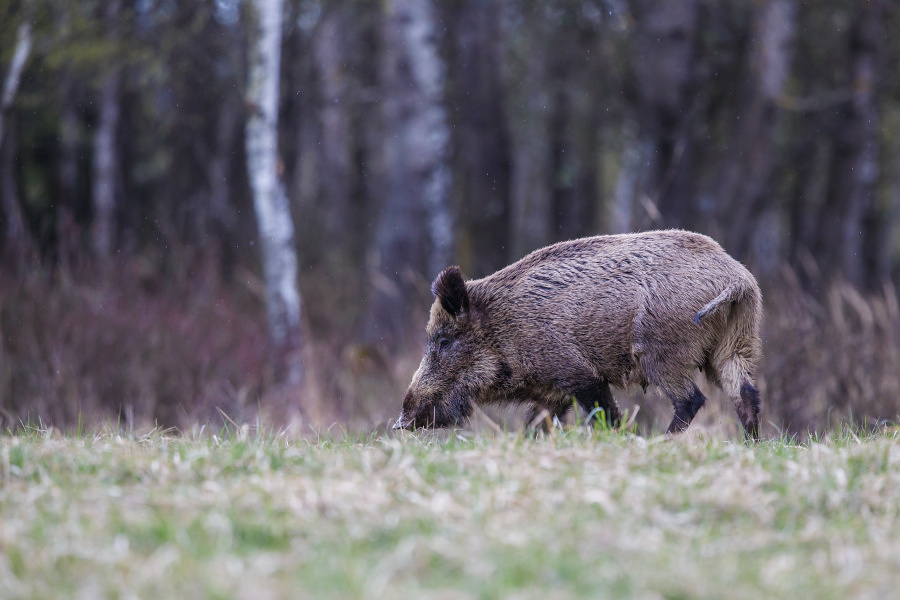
x=443, y=344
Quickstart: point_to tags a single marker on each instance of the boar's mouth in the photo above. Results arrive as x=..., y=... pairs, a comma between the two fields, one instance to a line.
x=435, y=415
x=404, y=422
x=436, y=420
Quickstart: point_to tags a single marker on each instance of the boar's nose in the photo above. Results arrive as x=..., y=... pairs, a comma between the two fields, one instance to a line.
x=402, y=423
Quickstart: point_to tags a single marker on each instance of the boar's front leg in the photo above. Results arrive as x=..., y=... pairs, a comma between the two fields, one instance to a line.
x=687, y=405
x=598, y=395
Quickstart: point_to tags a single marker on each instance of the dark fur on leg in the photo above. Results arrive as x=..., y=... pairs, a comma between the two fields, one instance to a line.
x=685, y=410
x=748, y=410
x=598, y=395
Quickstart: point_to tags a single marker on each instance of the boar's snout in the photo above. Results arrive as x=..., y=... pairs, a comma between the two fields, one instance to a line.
x=403, y=422
x=429, y=412
x=407, y=418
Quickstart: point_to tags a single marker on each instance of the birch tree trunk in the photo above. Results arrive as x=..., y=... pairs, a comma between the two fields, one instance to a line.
x=416, y=145
x=273, y=215
x=103, y=190
x=106, y=163
x=17, y=239
x=17, y=64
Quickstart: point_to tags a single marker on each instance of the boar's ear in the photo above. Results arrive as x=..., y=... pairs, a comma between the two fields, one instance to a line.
x=450, y=289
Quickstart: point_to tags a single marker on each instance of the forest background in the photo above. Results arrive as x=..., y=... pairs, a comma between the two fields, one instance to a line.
x=173, y=172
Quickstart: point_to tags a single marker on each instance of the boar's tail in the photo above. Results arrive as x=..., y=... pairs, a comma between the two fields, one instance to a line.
x=735, y=292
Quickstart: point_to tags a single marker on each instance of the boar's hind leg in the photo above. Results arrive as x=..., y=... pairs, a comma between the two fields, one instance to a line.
x=598, y=395
x=686, y=404
x=748, y=410
x=733, y=375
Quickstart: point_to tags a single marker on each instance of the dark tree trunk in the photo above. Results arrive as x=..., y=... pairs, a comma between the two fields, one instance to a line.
x=742, y=188
x=622, y=217
x=576, y=137
x=481, y=142
x=68, y=234
x=800, y=202
x=662, y=65
x=18, y=244
x=337, y=175
x=529, y=114
x=850, y=238
x=303, y=146
x=222, y=218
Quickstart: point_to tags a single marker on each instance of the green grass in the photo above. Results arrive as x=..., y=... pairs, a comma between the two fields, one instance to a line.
x=492, y=516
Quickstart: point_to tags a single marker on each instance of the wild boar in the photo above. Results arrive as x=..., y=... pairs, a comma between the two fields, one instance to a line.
x=576, y=317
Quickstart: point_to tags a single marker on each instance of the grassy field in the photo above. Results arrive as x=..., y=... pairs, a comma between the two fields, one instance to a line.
x=495, y=516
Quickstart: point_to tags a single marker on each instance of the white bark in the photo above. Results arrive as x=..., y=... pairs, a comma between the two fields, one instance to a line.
x=418, y=149
x=17, y=237
x=415, y=227
x=106, y=158
x=103, y=190
x=273, y=215
x=16, y=66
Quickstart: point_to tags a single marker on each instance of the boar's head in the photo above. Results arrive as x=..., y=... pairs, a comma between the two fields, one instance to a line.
x=459, y=362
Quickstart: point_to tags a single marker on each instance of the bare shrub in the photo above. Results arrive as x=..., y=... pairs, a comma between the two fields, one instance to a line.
x=127, y=349
x=831, y=356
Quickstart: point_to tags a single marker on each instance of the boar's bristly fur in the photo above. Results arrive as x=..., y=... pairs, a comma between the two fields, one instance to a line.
x=574, y=318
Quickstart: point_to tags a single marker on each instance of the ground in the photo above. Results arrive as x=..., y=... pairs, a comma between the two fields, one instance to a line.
x=578, y=514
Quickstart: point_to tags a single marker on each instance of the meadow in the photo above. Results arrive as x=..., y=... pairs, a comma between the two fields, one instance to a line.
x=243, y=514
